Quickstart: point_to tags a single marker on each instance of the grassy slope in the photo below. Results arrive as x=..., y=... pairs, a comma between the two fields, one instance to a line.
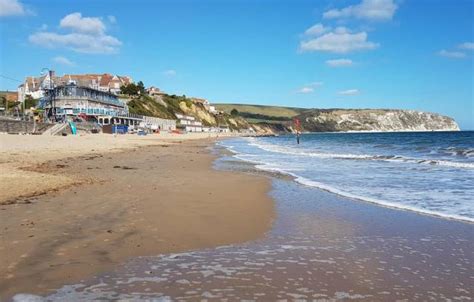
x=274, y=111
x=146, y=105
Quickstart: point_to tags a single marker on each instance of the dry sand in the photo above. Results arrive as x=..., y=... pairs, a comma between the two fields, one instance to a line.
x=139, y=196
x=19, y=153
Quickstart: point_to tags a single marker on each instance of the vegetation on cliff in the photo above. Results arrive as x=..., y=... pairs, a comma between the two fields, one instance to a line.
x=167, y=106
x=330, y=120
x=274, y=112
x=274, y=119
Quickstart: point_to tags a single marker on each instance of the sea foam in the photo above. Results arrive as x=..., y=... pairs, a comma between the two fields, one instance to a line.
x=419, y=176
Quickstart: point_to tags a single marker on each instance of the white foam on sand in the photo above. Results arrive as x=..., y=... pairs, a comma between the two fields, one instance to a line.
x=27, y=298
x=385, y=203
x=311, y=183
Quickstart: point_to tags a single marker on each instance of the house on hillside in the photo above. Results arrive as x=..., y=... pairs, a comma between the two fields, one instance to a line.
x=35, y=86
x=112, y=83
x=203, y=102
x=154, y=91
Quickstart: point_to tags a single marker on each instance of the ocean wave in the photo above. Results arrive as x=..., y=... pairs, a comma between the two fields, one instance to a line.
x=311, y=183
x=385, y=203
x=277, y=163
x=459, y=152
x=389, y=158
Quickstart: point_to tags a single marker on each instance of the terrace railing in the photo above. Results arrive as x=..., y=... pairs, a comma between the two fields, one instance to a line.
x=73, y=92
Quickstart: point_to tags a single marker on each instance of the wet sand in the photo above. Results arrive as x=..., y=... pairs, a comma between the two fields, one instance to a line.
x=145, y=200
x=322, y=247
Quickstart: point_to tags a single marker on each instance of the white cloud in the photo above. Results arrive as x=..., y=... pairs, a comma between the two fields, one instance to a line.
x=112, y=19
x=467, y=45
x=452, y=54
x=339, y=62
x=83, y=43
x=63, y=61
x=340, y=40
x=169, y=73
x=349, y=92
x=316, y=30
x=88, y=35
x=375, y=10
x=12, y=8
x=306, y=90
x=77, y=23
x=309, y=88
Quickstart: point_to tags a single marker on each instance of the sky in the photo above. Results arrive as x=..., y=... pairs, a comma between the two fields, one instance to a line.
x=398, y=54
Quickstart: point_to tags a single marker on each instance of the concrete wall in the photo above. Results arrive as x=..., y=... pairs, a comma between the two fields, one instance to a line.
x=13, y=126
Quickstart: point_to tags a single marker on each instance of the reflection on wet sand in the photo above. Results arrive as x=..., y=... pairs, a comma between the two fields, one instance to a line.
x=320, y=248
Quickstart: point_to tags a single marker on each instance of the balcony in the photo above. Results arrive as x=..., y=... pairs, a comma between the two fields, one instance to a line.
x=77, y=93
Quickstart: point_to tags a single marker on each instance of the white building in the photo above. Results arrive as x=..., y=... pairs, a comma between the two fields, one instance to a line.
x=189, y=123
x=35, y=86
x=73, y=100
x=154, y=91
x=158, y=124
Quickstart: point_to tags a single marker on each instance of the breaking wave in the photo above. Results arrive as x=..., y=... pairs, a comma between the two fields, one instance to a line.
x=391, y=158
x=422, y=172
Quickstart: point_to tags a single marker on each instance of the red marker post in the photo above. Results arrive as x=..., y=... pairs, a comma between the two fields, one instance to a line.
x=298, y=129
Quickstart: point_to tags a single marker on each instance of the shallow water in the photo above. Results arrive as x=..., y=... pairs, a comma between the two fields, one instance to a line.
x=321, y=246
x=427, y=172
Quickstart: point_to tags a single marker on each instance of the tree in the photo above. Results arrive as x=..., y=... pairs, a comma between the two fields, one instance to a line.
x=130, y=89
x=234, y=112
x=30, y=102
x=4, y=102
x=141, y=87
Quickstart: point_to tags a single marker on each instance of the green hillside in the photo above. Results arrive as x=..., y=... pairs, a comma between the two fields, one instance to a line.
x=167, y=106
x=252, y=111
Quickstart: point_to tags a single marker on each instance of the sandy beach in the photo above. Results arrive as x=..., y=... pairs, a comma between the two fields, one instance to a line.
x=72, y=207
x=138, y=218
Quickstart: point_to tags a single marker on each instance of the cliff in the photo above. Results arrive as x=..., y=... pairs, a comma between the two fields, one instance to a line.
x=374, y=120
x=272, y=119
x=167, y=106
x=317, y=120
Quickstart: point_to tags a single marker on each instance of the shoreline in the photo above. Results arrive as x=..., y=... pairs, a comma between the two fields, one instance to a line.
x=321, y=246
x=357, y=198
x=143, y=200
x=365, y=200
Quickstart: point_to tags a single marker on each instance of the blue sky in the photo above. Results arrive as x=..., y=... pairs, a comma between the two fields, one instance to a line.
x=408, y=54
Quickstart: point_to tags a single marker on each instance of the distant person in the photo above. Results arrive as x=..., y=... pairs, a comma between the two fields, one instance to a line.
x=298, y=137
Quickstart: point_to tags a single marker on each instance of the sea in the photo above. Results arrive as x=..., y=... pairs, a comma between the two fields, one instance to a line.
x=425, y=172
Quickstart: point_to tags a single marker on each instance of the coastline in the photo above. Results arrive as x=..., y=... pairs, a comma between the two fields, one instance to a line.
x=321, y=246
x=274, y=148
x=258, y=168
x=146, y=197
